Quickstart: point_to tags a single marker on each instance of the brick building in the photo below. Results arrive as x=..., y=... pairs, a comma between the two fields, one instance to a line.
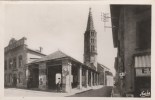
x=132, y=38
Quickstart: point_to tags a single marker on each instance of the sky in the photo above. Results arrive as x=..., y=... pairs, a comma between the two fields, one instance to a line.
x=59, y=26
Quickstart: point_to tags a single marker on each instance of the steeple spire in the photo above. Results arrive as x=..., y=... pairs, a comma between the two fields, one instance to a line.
x=90, y=24
x=90, y=44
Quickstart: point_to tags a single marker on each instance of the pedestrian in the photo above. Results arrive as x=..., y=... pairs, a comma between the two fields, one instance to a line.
x=59, y=85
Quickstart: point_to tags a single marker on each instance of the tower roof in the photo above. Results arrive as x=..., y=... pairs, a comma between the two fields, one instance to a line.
x=90, y=24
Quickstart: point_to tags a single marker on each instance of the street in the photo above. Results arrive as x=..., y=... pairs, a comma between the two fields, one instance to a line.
x=96, y=92
x=102, y=92
x=15, y=92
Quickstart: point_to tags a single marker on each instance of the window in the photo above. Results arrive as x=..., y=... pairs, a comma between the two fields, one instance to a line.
x=144, y=34
x=10, y=63
x=92, y=40
x=5, y=64
x=5, y=78
x=92, y=48
x=20, y=61
x=92, y=33
x=20, y=77
x=14, y=62
x=9, y=78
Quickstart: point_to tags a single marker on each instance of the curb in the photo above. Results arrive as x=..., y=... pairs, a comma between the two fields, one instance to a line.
x=84, y=91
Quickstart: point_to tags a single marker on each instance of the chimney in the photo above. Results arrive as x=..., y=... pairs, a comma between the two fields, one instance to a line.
x=40, y=49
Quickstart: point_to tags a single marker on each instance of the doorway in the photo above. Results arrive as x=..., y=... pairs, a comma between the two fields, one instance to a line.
x=52, y=72
x=14, y=80
x=33, y=81
x=35, y=78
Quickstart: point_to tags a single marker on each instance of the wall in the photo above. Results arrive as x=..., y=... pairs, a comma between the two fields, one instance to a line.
x=16, y=53
x=129, y=44
x=129, y=47
x=31, y=54
x=110, y=81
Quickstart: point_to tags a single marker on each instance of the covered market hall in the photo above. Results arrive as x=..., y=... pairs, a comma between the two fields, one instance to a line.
x=45, y=72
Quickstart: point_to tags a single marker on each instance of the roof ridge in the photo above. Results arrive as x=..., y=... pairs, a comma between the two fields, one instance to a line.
x=103, y=65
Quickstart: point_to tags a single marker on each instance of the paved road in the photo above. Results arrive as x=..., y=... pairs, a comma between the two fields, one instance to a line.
x=15, y=92
x=102, y=92
x=96, y=92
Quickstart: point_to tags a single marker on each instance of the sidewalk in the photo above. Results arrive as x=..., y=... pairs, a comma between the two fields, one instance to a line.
x=76, y=90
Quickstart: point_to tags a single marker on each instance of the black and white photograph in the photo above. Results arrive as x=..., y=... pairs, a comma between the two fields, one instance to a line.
x=77, y=49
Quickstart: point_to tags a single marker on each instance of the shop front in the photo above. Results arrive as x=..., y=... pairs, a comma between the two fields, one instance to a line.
x=142, y=75
x=143, y=82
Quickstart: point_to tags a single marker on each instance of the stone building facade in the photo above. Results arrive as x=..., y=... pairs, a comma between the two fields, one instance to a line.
x=16, y=56
x=132, y=38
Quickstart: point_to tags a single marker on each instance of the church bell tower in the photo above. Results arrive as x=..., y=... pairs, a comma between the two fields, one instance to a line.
x=90, y=43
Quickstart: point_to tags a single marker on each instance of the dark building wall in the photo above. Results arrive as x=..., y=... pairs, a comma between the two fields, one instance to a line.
x=128, y=40
x=19, y=71
x=129, y=46
x=131, y=18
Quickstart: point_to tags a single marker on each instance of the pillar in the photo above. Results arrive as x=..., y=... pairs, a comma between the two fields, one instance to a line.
x=42, y=76
x=66, y=76
x=27, y=73
x=91, y=83
x=86, y=77
x=104, y=78
x=80, y=77
x=94, y=78
x=97, y=82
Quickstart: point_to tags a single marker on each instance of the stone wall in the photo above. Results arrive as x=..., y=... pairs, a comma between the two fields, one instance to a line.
x=19, y=51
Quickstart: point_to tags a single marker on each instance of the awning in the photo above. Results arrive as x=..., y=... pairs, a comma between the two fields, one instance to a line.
x=143, y=61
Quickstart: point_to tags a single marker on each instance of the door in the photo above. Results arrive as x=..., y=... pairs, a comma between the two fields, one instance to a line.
x=14, y=80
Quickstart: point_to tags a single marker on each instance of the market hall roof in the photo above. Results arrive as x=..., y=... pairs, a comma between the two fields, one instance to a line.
x=60, y=55
x=56, y=55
